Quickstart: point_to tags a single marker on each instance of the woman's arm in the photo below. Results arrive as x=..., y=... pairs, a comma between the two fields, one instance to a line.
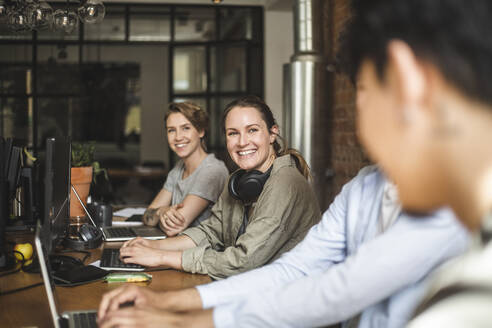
x=179, y=243
x=163, y=198
x=177, y=218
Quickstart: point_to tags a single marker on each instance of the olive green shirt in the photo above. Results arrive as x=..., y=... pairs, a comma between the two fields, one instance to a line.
x=284, y=212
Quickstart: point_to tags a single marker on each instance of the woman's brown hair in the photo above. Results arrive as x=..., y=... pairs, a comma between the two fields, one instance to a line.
x=267, y=115
x=197, y=116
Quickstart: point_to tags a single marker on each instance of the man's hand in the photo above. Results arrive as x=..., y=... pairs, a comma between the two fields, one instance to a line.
x=147, y=317
x=140, y=296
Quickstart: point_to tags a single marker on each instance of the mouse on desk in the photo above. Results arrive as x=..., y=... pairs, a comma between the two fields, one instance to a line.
x=64, y=262
x=135, y=218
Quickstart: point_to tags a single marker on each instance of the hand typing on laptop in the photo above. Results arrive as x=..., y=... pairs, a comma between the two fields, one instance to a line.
x=142, y=314
x=150, y=257
x=166, y=252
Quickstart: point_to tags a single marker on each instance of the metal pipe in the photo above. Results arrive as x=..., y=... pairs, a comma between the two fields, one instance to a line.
x=305, y=89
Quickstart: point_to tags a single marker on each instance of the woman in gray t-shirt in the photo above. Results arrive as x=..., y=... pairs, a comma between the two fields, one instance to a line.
x=194, y=184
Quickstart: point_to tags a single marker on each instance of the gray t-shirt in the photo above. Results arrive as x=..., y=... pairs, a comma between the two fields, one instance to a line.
x=207, y=182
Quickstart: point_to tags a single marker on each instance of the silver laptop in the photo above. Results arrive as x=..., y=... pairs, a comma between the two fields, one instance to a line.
x=123, y=233
x=70, y=319
x=130, y=232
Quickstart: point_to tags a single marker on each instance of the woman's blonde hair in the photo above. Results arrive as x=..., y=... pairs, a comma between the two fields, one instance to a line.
x=267, y=115
x=197, y=116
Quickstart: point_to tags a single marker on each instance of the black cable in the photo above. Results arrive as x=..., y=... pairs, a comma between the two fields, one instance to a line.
x=20, y=289
x=14, y=271
x=10, y=272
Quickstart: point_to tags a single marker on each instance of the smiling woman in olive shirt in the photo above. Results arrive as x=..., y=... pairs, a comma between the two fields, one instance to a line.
x=230, y=242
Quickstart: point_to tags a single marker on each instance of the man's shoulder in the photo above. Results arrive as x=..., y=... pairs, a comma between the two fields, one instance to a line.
x=369, y=171
x=368, y=175
x=462, y=291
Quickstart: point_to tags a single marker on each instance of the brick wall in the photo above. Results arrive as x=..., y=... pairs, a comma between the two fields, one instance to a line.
x=347, y=156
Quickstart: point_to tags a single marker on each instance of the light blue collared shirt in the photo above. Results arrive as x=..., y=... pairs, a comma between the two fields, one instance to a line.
x=346, y=267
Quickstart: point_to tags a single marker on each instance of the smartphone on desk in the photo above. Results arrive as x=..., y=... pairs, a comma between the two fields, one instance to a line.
x=135, y=218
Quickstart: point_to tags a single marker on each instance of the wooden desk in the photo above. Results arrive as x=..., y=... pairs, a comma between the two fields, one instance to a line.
x=29, y=308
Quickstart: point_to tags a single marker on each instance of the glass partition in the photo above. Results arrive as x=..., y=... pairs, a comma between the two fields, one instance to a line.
x=150, y=23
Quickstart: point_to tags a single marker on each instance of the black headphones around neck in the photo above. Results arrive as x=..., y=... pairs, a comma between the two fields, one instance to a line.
x=246, y=186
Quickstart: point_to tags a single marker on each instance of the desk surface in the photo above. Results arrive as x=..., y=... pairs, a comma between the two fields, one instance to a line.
x=29, y=308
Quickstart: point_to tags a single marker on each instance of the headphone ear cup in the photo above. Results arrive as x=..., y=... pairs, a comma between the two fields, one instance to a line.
x=250, y=185
x=233, y=184
x=87, y=232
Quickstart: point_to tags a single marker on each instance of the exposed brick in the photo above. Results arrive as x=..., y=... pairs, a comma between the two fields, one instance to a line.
x=347, y=156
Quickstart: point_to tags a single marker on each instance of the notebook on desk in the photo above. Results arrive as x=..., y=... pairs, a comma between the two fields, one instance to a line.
x=72, y=319
x=127, y=233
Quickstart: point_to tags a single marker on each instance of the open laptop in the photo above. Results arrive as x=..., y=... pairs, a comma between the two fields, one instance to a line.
x=70, y=319
x=130, y=232
x=123, y=233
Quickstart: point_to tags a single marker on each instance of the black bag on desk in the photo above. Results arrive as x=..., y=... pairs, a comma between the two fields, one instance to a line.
x=79, y=275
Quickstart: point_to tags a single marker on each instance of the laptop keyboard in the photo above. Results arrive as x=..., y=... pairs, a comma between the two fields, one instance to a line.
x=110, y=258
x=85, y=319
x=120, y=232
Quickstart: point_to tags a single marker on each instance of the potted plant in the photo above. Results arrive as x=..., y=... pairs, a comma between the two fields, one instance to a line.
x=81, y=176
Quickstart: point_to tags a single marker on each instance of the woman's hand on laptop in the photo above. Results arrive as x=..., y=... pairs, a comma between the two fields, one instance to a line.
x=139, y=241
x=152, y=257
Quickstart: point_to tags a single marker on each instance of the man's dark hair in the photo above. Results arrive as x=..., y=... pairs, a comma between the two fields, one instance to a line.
x=453, y=35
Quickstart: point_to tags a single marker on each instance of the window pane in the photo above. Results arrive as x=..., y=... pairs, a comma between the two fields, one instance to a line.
x=15, y=70
x=149, y=23
x=240, y=24
x=255, y=75
x=189, y=69
x=194, y=24
x=217, y=140
x=59, y=70
x=54, y=116
x=15, y=53
x=112, y=26
x=229, y=68
x=202, y=102
x=7, y=34
x=15, y=118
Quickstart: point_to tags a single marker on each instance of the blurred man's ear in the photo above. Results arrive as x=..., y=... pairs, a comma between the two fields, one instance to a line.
x=409, y=76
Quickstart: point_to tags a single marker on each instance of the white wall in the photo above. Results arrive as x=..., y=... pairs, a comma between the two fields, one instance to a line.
x=279, y=46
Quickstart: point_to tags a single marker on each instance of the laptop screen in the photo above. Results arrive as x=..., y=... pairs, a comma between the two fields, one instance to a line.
x=47, y=276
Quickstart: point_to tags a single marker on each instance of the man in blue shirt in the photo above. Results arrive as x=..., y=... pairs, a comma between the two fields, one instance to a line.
x=364, y=265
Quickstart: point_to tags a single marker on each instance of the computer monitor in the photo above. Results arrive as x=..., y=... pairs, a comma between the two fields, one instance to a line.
x=4, y=209
x=56, y=191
